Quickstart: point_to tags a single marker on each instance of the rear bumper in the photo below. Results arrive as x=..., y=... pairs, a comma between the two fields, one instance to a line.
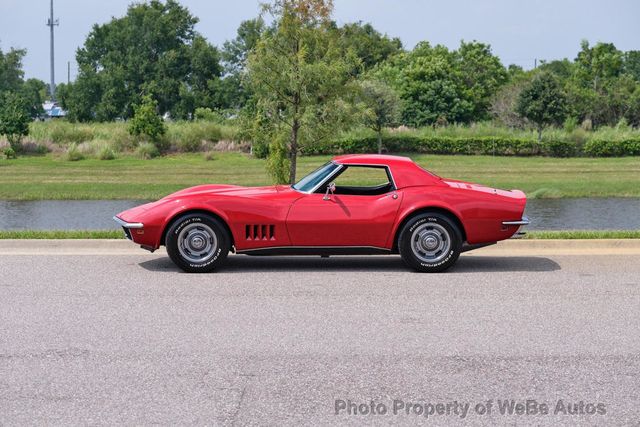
x=520, y=224
x=524, y=221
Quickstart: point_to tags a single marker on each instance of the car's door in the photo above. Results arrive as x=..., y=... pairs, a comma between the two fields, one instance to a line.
x=363, y=217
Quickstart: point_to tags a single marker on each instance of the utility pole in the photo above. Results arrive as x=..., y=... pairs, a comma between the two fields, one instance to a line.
x=68, y=72
x=52, y=23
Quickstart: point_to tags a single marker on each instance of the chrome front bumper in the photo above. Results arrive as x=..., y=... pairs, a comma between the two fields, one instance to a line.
x=126, y=224
x=520, y=223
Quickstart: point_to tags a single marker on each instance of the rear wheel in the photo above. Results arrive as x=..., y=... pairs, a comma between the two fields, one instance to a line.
x=197, y=243
x=430, y=242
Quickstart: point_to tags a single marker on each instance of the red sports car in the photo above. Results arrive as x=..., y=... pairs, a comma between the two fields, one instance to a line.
x=352, y=205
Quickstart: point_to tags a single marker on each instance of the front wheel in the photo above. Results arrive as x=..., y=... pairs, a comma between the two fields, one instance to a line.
x=197, y=243
x=430, y=242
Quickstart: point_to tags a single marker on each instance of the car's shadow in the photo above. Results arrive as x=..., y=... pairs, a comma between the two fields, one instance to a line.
x=466, y=264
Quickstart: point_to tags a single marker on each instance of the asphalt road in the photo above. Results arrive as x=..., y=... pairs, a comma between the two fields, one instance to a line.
x=128, y=339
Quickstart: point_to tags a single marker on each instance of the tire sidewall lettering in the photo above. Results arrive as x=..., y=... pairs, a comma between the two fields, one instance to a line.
x=184, y=223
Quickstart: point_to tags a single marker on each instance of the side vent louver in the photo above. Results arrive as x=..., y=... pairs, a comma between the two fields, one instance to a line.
x=260, y=232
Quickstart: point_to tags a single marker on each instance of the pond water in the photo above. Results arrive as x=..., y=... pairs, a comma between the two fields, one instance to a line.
x=546, y=214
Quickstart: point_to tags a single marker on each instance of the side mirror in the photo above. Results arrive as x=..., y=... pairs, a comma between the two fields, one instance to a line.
x=330, y=188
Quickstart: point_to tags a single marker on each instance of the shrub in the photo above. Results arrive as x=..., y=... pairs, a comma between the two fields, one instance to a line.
x=147, y=123
x=147, y=150
x=209, y=115
x=260, y=150
x=9, y=153
x=67, y=133
x=209, y=155
x=106, y=153
x=73, y=153
x=41, y=149
x=612, y=148
x=14, y=119
x=189, y=136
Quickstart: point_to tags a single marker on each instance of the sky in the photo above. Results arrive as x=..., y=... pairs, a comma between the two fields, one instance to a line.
x=519, y=31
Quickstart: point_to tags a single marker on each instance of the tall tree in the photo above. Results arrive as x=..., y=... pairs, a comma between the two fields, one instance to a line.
x=369, y=45
x=598, y=65
x=482, y=73
x=430, y=84
x=233, y=92
x=11, y=73
x=383, y=107
x=154, y=50
x=300, y=78
x=632, y=63
x=543, y=102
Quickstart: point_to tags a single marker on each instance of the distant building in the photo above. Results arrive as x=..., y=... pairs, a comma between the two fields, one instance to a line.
x=53, y=111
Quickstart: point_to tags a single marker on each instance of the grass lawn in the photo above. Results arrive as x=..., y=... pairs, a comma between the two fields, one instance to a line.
x=118, y=234
x=52, y=178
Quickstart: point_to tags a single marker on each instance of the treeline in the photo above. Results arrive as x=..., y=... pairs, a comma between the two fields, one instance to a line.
x=302, y=79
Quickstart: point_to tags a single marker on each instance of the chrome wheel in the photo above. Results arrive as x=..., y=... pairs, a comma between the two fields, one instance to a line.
x=430, y=242
x=197, y=243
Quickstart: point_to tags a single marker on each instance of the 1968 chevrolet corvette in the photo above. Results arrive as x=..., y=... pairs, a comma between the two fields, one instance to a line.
x=353, y=205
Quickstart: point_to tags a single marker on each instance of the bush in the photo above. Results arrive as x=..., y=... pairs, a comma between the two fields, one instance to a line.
x=73, y=153
x=106, y=153
x=260, y=150
x=189, y=136
x=147, y=123
x=574, y=144
x=436, y=145
x=209, y=115
x=14, y=119
x=66, y=133
x=9, y=153
x=147, y=150
x=612, y=148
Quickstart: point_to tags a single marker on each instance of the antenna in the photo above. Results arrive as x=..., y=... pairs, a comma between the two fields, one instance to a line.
x=52, y=23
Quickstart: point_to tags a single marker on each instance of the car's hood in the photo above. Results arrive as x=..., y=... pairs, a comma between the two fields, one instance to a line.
x=235, y=190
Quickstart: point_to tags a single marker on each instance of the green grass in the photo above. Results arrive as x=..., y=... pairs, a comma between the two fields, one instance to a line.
x=117, y=234
x=62, y=234
x=52, y=177
x=583, y=234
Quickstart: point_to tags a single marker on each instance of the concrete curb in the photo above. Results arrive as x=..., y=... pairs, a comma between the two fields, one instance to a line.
x=505, y=248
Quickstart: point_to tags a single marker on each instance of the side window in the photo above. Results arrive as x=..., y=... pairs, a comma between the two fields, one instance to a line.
x=363, y=181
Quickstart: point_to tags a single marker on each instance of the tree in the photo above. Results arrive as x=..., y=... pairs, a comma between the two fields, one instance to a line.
x=34, y=92
x=598, y=64
x=154, y=49
x=430, y=85
x=11, y=73
x=504, y=104
x=542, y=102
x=146, y=121
x=482, y=73
x=369, y=45
x=632, y=63
x=236, y=52
x=301, y=79
x=233, y=92
x=14, y=119
x=384, y=107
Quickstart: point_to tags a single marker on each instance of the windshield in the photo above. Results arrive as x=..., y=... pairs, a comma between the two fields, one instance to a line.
x=311, y=181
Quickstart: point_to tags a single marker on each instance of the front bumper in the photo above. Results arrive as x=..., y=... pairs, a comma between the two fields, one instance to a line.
x=519, y=223
x=127, y=226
